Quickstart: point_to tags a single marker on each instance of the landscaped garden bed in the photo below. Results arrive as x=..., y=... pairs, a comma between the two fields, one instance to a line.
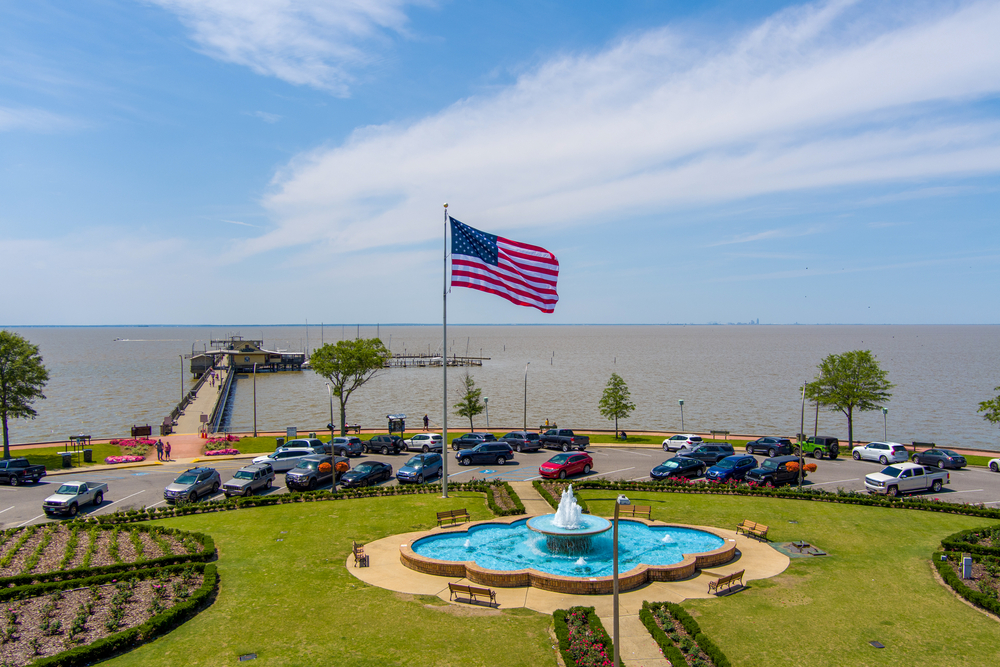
x=679, y=636
x=583, y=641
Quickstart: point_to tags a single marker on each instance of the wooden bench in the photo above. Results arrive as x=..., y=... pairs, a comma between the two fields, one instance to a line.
x=745, y=527
x=759, y=531
x=753, y=529
x=728, y=581
x=360, y=557
x=635, y=510
x=473, y=593
x=453, y=516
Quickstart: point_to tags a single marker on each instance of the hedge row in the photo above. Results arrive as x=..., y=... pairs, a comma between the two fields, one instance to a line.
x=206, y=554
x=496, y=509
x=543, y=490
x=562, y=631
x=789, y=493
x=34, y=590
x=690, y=625
x=966, y=541
x=126, y=640
x=973, y=595
x=224, y=505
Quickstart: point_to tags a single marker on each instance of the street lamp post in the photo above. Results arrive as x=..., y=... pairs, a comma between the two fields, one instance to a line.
x=681, y=403
x=622, y=500
x=802, y=435
x=181, y=357
x=255, y=400
x=525, y=427
x=329, y=390
x=486, y=402
x=885, y=426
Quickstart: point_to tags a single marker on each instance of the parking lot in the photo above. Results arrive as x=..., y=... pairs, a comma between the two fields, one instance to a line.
x=143, y=487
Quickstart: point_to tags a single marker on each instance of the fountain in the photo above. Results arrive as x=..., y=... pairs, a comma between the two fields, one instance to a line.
x=569, y=531
x=567, y=551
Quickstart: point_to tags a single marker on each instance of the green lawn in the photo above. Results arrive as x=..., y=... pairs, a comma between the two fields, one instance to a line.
x=877, y=584
x=294, y=603
x=49, y=456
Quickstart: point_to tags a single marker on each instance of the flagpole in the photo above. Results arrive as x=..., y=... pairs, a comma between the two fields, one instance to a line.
x=444, y=367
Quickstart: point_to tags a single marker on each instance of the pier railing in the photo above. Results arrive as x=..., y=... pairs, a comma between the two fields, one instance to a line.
x=219, y=411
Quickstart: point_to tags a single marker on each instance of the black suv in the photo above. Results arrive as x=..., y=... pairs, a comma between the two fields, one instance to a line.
x=522, y=441
x=770, y=446
x=384, y=444
x=774, y=472
x=470, y=440
x=488, y=452
x=709, y=453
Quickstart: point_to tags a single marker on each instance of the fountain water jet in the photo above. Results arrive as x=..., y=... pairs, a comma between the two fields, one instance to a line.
x=569, y=531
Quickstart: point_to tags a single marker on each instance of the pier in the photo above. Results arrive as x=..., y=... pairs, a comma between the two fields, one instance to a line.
x=431, y=361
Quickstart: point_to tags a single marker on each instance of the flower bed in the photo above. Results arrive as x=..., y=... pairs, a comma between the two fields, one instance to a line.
x=224, y=439
x=222, y=452
x=133, y=442
x=583, y=641
x=679, y=636
x=124, y=459
x=502, y=499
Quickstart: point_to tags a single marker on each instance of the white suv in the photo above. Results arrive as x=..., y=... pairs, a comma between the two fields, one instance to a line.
x=425, y=442
x=883, y=452
x=678, y=442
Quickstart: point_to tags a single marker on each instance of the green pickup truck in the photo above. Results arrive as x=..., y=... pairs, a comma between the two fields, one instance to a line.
x=821, y=445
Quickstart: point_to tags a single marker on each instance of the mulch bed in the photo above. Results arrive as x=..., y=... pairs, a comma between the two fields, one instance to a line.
x=502, y=498
x=985, y=577
x=43, y=626
x=693, y=654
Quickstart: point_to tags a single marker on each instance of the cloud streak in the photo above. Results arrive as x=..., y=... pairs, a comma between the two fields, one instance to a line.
x=655, y=123
x=314, y=43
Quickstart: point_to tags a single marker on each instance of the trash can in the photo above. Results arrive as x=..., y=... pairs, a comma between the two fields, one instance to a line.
x=281, y=442
x=312, y=435
x=67, y=459
x=88, y=456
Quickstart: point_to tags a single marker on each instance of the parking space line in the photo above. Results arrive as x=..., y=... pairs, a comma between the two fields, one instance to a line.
x=837, y=481
x=630, y=451
x=967, y=491
x=117, y=501
x=612, y=472
x=637, y=479
x=155, y=504
x=8, y=509
x=462, y=471
x=30, y=520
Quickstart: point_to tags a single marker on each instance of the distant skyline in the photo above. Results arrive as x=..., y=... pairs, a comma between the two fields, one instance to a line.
x=178, y=162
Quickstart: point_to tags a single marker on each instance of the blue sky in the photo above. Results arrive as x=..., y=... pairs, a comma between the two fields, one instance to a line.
x=273, y=161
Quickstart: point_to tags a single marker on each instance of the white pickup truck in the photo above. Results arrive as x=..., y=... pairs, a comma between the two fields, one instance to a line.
x=906, y=478
x=72, y=495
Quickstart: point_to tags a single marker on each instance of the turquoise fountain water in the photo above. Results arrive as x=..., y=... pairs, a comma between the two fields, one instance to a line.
x=567, y=543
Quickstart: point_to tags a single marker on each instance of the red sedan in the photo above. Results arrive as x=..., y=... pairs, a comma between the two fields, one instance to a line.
x=566, y=464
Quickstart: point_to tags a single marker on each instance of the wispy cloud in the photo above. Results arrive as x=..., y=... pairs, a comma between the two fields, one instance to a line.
x=307, y=42
x=768, y=235
x=803, y=101
x=265, y=116
x=33, y=120
x=237, y=222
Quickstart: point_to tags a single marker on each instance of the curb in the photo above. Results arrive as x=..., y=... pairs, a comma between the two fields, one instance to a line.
x=230, y=457
x=101, y=468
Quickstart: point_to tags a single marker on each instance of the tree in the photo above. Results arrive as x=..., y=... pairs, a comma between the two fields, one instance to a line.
x=348, y=365
x=22, y=376
x=849, y=382
x=471, y=403
x=616, y=402
x=991, y=408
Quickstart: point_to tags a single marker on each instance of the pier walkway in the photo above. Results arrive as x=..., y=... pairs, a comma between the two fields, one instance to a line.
x=189, y=421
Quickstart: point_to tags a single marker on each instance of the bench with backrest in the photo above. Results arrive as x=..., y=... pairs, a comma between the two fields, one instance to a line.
x=727, y=581
x=453, y=516
x=759, y=531
x=474, y=593
x=360, y=557
x=635, y=510
x=745, y=527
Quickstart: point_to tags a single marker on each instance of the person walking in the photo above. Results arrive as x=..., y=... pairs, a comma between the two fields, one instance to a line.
x=166, y=450
x=159, y=450
x=426, y=422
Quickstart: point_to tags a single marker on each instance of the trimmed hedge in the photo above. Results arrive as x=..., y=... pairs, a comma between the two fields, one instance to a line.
x=790, y=493
x=562, y=632
x=670, y=651
x=690, y=626
x=541, y=487
x=973, y=595
x=207, y=553
x=224, y=505
x=34, y=590
x=126, y=640
x=961, y=541
x=518, y=505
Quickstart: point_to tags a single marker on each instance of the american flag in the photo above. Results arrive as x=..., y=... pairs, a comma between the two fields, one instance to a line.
x=521, y=273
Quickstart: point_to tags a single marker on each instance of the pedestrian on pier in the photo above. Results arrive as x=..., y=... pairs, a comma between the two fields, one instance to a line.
x=166, y=450
x=159, y=450
x=426, y=422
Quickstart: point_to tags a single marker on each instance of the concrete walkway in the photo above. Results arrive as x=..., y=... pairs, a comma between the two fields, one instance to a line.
x=189, y=421
x=532, y=500
x=637, y=648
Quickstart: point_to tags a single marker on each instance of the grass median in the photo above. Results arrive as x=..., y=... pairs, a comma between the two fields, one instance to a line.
x=876, y=584
x=292, y=602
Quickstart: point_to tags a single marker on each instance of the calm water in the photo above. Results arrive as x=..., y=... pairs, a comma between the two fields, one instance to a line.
x=745, y=379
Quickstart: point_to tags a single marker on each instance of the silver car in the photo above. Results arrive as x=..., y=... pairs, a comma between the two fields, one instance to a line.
x=285, y=459
x=248, y=479
x=192, y=484
x=347, y=446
